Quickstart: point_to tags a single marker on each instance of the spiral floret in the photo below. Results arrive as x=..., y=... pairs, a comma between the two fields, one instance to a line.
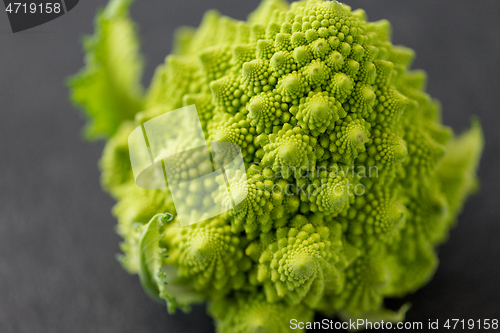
x=297, y=265
x=319, y=111
x=290, y=152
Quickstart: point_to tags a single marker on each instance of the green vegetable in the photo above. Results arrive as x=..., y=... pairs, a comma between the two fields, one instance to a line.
x=352, y=179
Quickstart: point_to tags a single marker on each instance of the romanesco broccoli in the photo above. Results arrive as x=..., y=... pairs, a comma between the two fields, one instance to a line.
x=352, y=179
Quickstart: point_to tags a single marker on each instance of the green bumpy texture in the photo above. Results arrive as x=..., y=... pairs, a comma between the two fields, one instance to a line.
x=352, y=179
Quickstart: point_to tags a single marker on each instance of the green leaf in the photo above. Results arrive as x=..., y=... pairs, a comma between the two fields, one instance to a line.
x=160, y=280
x=109, y=87
x=149, y=260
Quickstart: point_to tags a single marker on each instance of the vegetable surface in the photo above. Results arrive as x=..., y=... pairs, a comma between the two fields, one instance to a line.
x=352, y=179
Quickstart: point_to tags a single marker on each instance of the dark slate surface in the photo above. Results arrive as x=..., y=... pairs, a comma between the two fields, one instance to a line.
x=58, y=271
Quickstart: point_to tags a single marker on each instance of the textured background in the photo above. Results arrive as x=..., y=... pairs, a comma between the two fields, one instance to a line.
x=58, y=271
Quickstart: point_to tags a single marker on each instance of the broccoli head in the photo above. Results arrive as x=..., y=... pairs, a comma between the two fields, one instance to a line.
x=352, y=180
